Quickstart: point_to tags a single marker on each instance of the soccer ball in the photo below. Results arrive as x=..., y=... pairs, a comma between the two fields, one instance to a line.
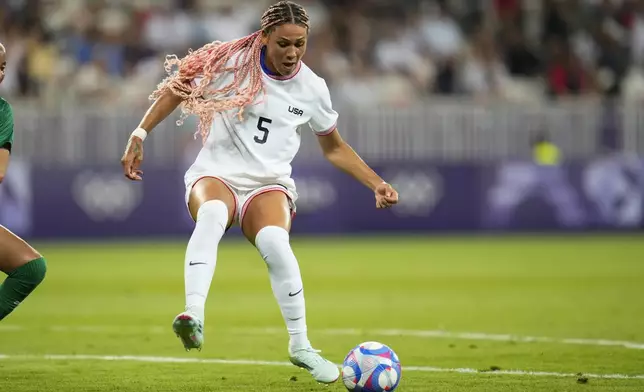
x=371, y=367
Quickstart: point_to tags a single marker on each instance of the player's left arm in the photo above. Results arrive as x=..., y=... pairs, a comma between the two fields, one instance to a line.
x=342, y=156
x=6, y=137
x=4, y=162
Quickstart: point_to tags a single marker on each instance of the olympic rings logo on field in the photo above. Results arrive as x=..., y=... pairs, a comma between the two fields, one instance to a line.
x=314, y=194
x=105, y=196
x=615, y=185
x=420, y=192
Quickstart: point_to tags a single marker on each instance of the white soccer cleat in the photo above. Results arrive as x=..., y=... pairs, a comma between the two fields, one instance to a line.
x=322, y=370
x=189, y=329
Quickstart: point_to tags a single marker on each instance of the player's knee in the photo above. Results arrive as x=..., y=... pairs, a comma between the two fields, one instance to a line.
x=27, y=255
x=271, y=239
x=39, y=270
x=31, y=254
x=213, y=212
x=31, y=273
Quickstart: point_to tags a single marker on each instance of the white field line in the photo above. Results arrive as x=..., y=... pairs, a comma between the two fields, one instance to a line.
x=245, y=362
x=426, y=334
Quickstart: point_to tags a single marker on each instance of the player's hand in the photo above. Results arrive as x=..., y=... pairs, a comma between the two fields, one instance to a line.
x=132, y=159
x=386, y=196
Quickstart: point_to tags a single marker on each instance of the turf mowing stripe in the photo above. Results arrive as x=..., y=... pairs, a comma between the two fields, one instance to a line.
x=245, y=362
x=487, y=336
x=427, y=334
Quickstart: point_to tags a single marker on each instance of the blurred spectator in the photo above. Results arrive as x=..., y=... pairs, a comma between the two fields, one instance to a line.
x=557, y=20
x=442, y=38
x=111, y=51
x=519, y=58
x=440, y=32
x=167, y=28
x=565, y=73
x=396, y=52
x=483, y=74
x=637, y=34
x=41, y=60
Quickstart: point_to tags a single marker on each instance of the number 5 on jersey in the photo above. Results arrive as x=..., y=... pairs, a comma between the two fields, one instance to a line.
x=261, y=127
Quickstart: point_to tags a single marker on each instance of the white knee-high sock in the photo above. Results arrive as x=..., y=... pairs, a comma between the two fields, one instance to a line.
x=201, y=254
x=274, y=246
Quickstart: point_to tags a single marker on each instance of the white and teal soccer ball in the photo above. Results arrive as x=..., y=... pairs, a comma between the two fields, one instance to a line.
x=371, y=367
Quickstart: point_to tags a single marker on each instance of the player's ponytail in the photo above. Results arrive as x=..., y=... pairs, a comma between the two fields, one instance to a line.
x=211, y=61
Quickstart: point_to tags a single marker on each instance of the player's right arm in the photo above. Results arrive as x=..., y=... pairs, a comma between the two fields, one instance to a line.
x=158, y=111
x=6, y=136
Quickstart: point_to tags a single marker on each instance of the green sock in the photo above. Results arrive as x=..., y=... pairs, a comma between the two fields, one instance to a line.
x=19, y=284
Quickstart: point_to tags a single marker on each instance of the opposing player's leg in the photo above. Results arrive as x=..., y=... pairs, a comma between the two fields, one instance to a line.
x=25, y=268
x=212, y=205
x=266, y=222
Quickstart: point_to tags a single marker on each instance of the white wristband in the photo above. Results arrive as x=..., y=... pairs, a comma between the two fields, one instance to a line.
x=140, y=133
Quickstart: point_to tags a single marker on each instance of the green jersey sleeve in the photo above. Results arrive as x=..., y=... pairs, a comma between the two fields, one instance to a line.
x=6, y=125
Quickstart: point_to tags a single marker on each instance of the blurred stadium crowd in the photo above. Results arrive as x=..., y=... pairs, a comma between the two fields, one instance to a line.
x=370, y=51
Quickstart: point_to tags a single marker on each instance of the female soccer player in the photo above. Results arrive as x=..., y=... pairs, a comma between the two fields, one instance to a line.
x=23, y=265
x=251, y=95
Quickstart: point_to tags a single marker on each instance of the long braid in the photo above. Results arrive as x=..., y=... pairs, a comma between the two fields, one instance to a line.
x=210, y=63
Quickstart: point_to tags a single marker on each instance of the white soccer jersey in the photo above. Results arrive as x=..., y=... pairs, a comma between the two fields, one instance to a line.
x=258, y=150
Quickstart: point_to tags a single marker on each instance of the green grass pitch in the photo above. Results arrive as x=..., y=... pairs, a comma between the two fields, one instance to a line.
x=571, y=305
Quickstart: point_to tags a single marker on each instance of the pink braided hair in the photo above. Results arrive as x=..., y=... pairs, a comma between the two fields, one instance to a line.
x=209, y=62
